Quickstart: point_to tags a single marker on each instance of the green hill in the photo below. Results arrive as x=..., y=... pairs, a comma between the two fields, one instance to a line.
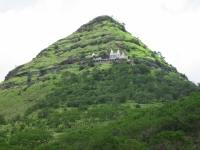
x=31, y=81
x=64, y=99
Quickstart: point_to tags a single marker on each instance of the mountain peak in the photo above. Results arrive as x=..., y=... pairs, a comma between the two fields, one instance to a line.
x=98, y=36
x=100, y=20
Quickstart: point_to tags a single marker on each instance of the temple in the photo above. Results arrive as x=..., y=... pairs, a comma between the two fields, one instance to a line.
x=113, y=56
x=117, y=55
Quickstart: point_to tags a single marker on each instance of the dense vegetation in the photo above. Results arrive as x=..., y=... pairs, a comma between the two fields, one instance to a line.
x=107, y=109
x=117, y=84
x=174, y=125
x=62, y=99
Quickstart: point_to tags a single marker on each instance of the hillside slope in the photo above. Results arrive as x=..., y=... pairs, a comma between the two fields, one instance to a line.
x=30, y=82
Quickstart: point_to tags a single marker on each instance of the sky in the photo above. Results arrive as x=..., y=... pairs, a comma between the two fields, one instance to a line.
x=171, y=27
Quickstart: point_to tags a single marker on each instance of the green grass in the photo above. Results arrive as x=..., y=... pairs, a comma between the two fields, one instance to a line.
x=16, y=100
x=133, y=104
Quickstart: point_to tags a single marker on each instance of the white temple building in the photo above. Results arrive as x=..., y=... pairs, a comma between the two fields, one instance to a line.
x=117, y=55
x=113, y=56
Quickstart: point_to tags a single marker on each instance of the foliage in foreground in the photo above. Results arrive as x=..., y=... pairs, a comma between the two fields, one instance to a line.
x=174, y=125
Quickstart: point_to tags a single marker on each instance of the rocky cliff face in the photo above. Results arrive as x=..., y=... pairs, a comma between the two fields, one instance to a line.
x=13, y=72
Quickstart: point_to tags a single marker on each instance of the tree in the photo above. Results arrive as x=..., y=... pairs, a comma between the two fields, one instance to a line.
x=81, y=67
x=28, y=78
x=137, y=106
x=30, y=138
x=91, y=63
x=56, y=47
x=2, y=120
x=106, y=142
x=82, y=56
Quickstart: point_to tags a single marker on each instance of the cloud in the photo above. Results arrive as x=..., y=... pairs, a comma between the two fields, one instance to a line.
x=6, y=5
x=194, y=2
x=180, y=6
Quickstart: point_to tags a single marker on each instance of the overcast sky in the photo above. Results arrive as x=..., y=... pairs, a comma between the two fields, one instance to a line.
x=169, y=26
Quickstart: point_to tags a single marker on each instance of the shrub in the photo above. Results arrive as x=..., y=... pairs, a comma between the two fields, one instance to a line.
x=81, y=67
x=2, y=120
x=28, y=79
x=137, y=106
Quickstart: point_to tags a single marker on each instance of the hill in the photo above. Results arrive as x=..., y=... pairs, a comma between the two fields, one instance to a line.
x=31, y=81
x=98, y=88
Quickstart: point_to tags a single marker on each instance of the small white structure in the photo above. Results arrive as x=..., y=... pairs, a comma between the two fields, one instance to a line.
x=97, y=59
x=117, y=55
x=114, y=55
x=123, y=56
x=93, y=54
